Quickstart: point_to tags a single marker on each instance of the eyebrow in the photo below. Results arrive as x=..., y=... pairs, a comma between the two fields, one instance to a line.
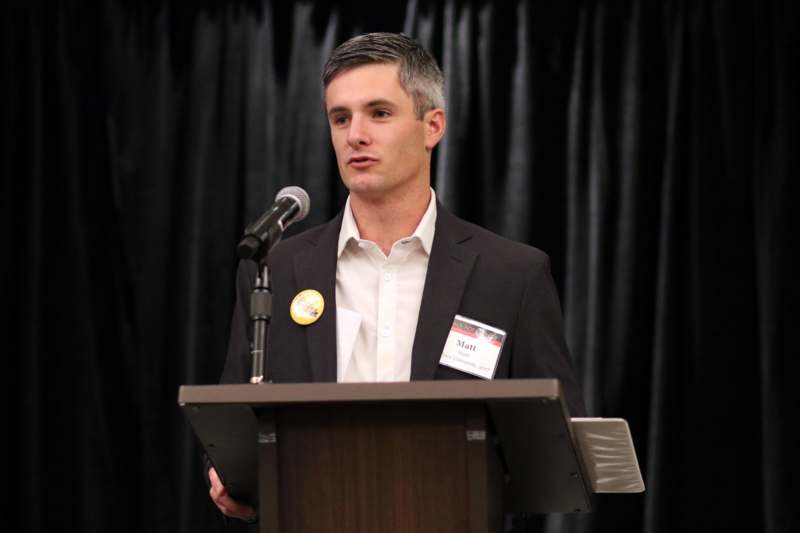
x=379, y=102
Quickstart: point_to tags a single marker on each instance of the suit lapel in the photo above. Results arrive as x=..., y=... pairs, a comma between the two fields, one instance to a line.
x=315, y=268
x=449, y=268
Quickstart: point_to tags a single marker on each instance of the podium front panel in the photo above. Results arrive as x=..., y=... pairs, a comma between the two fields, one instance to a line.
x=331, y=432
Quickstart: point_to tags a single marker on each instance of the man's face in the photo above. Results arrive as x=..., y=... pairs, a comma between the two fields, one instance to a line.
x=381, y=146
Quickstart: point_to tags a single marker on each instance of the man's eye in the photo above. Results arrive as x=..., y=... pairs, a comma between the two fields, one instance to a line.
x=381, y=113
x=339, y=121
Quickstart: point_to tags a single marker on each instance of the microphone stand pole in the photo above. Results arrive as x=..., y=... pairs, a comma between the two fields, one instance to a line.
x=260, y=314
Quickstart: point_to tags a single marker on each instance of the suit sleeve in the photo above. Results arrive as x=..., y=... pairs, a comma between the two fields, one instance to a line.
x=237, y=361
x=237, y=367
x=540, y=350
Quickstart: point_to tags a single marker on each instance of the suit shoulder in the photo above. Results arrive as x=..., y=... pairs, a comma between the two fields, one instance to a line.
x=511, y=253
x=296, y=243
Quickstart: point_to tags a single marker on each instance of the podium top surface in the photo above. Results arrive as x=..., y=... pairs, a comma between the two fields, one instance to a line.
x=266, y=394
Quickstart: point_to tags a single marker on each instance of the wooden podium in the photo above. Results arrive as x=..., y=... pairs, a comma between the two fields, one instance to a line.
x=425, y=456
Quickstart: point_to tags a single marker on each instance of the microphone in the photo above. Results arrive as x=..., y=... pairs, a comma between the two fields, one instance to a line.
x=291, y=205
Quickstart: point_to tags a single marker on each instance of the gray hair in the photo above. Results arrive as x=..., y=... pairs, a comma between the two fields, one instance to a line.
x=419, y=74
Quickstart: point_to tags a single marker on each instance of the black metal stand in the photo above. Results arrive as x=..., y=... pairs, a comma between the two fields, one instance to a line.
x=260, y=314
x=291, y=205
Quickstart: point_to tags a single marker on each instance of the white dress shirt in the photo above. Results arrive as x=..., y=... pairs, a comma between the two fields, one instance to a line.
x=378, y=300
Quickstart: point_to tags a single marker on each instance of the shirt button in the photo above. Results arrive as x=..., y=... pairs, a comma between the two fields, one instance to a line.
x=387, y=276
x=386, y=331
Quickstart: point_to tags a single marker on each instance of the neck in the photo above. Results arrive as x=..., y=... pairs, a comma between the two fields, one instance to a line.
x=387, y=220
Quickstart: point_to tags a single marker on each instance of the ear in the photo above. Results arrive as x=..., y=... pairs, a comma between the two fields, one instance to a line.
x=435, y=123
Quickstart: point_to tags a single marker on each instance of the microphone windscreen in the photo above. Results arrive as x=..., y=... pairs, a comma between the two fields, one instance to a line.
x=301, y=196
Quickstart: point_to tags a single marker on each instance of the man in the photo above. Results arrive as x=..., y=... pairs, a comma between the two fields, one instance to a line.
x=389, y=275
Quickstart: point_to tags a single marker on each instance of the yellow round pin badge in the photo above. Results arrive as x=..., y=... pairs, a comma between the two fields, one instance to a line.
x=307, y=307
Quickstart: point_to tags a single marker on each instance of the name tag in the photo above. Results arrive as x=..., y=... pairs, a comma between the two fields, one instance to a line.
x=473, y=347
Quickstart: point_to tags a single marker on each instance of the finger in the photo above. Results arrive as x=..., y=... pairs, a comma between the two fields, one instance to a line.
x=213, y=477
x=217, y=491
x=217, y=488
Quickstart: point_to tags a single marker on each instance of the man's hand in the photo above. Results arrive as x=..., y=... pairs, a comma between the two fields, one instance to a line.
x=225, y=503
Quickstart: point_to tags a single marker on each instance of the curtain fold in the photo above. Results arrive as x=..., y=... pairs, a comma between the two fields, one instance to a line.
x=649, y=149
x=774, y=143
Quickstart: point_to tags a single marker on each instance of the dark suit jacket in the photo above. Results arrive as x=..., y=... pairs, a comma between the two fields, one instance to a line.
x=471, y=272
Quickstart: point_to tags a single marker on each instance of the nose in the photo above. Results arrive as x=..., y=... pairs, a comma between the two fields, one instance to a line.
x=358, y=134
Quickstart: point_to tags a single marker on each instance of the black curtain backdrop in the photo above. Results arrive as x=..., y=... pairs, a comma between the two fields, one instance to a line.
x=647, y=146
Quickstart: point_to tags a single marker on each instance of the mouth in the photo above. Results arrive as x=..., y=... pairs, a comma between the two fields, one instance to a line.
x=361, y=161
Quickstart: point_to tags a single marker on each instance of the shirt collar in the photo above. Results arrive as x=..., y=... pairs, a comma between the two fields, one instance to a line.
x=424, y=232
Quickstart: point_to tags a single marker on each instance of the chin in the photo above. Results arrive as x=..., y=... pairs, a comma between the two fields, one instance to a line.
x=365, y=185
